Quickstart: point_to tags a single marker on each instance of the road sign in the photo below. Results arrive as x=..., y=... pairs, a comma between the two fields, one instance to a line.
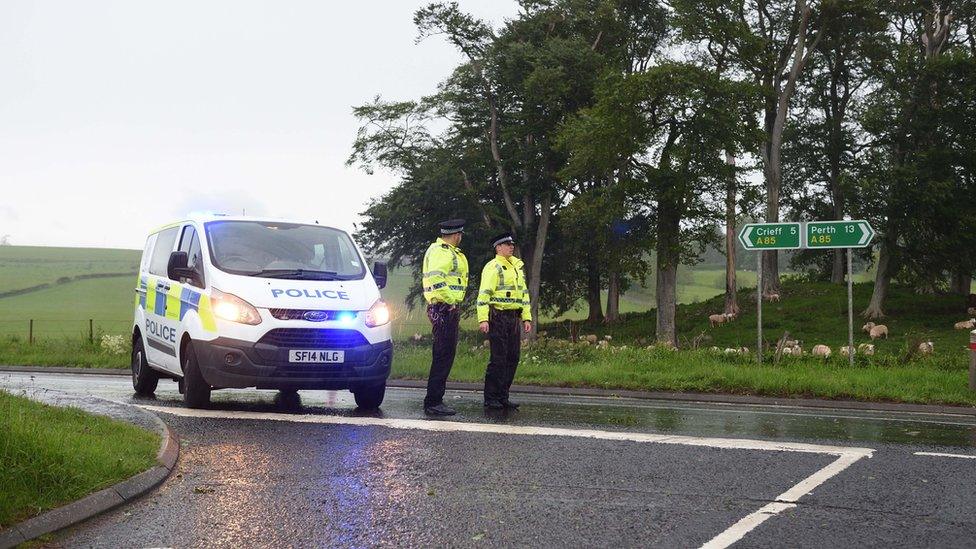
x=771, y=236
x=855, y=233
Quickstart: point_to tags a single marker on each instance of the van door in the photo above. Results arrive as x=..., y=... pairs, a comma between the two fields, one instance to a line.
x=160, y=329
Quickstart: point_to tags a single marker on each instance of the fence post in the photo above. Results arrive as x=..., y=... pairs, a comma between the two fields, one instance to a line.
x=30, y=332
x=972, y=360
x=91, y=331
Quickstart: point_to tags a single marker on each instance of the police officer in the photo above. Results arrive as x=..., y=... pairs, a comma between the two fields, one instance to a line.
x=503, y=313
x=445, y=280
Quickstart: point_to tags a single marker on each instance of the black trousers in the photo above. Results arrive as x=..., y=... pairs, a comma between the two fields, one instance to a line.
x=505, y=339
x=444, y=320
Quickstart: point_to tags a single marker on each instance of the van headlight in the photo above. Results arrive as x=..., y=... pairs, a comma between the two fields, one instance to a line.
x=378, y=314
x=232, y=308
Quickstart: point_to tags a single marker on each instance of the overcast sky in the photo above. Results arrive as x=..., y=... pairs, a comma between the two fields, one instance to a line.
x=119, y=116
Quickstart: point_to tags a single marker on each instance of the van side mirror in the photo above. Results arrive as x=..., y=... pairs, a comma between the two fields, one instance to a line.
x=379, y=274
x=177, y=267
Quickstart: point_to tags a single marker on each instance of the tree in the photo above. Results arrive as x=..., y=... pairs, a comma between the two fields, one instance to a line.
x=770, y=41
x=656, y=132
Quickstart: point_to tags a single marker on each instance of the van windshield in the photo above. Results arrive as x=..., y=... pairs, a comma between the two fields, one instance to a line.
x=283, y=250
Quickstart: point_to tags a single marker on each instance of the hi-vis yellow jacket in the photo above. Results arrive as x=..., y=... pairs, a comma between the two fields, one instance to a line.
x=445, y=273
x=503, y=287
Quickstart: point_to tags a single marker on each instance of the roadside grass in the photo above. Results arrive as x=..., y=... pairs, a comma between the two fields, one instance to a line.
x=69, y=352
x=64, y=310
x=52, y=456
x=932, y=380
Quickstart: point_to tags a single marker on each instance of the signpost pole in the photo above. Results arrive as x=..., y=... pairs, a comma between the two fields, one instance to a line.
x=850, y=307
x=759, y=305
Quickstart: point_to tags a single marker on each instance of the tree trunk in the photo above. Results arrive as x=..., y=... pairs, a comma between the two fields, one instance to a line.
x=613, y=298
x=960, y=283
x=593, y=292
x=731, y=293
x=881, y=282
x=668, y=255
x=535, y=266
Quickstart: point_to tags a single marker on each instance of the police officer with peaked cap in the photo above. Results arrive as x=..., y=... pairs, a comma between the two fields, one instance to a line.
x=445, y=279
x=504, y=312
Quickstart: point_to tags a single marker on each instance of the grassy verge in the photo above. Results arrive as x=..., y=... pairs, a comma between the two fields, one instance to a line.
x=929, y=380
x=52, y=456
x=65, y=352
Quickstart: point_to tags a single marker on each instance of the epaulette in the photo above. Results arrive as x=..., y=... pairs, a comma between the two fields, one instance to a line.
x=445, y=246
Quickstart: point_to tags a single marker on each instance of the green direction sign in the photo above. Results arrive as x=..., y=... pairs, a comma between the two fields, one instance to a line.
x=771, y=236
x=855, y=233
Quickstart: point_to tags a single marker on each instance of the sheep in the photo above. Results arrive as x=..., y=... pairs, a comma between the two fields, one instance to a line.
x=608, y=337
x=731, y=351
x=791, y=342
x=797, y=350
x=867, y=327
x=716, y=320
x=787, y=351
x=971, y=311
x=865, y=349
x=772, y=297
x=926, y=347
x=845, y=351
x=966, y=324
x=591, y=339
x=821, y=350
x=602, y=344
x=714, y=349
x=417, y=337
x=879, y=330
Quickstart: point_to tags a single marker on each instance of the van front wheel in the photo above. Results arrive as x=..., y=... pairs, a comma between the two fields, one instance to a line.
x=370, y=398
x=144, y=378
x=196, y=390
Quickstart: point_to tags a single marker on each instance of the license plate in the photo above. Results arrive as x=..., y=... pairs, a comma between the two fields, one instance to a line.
x=316, y=356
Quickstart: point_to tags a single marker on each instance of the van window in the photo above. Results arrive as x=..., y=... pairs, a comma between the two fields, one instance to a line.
x=283, y=250
x=190, y=243
x=164, y=247
x=147, y=253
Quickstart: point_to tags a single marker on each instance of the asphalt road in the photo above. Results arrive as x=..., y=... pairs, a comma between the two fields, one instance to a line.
x=561, y=472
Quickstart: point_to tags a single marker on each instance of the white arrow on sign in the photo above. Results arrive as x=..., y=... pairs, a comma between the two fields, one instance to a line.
x=744, y=238
x=865, y=233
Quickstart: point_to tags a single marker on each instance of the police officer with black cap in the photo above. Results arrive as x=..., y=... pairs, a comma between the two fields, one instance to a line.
x=445, y=279
x=504, y=312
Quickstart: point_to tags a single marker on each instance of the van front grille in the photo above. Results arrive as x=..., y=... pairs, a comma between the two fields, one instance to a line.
x=299, y=314
x=313, y=338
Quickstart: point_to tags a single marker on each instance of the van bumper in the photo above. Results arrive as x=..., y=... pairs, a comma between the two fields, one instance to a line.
x=232, y=363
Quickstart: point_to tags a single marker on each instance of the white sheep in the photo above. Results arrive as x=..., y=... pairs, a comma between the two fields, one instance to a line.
x=879, y=330
x=772, y=297
x=608, y=337
x=787, y=351
x=926, y=347
x=417, y=337
x=845, y=351
x=716, y=320
x=821, y=350
x=797, y=350
x=965, y=324
x=731, y=351
x=591, y=339
x=867, y=327
x=865, y=349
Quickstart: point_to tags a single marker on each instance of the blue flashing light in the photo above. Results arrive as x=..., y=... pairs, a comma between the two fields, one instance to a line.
x=346, y=317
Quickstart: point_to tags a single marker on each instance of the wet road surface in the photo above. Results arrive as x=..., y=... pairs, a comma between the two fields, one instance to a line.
x=562, y=471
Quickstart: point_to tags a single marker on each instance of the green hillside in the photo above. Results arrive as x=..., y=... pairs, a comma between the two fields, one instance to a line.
x=28, y=266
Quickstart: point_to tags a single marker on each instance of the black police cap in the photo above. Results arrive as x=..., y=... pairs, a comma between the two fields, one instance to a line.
x=502, y=238
x=451, y=226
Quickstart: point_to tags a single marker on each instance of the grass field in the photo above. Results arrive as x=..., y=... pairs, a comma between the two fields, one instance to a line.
x=52, y=456
x=26, y=266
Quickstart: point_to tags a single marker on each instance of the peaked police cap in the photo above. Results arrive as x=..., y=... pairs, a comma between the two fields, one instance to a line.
x=501, y=239
x=451, y=226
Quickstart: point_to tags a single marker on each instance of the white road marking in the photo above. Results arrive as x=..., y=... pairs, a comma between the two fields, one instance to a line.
x=786, y=500
x=938, y=454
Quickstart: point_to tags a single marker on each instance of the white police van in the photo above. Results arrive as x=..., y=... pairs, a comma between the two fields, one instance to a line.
x=244, y=302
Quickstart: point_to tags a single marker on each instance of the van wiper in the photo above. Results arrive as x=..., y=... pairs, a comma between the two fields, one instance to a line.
x=297, y=274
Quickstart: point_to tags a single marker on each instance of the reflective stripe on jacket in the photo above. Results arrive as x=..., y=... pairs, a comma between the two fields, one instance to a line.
x=445, y=275
x=503, y=287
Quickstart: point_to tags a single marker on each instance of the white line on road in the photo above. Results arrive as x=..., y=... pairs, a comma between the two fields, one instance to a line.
x=787, y=500
x=938, y=454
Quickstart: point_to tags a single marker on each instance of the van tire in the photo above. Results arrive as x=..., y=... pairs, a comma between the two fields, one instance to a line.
x=370, y=398
x=196, y=390
x=144, y=378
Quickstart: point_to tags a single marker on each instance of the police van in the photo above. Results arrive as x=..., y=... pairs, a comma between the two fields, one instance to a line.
x=239, y=302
